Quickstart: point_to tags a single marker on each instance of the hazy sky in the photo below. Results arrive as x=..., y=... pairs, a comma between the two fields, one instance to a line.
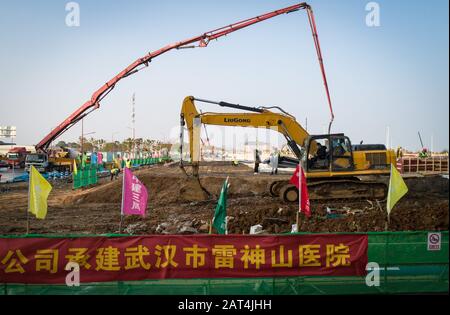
x=394, y=75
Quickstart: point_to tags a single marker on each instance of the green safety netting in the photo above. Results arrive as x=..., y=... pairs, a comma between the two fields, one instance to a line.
x=414, y=270
x=85, y=177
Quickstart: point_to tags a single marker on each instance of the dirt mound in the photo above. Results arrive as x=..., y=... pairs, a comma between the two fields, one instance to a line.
x=427, y=187
x=174, y=186
x=361, y=217
x=161, y=190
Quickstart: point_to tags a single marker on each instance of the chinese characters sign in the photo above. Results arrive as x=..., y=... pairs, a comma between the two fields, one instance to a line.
x=103, y=259
x=134, y=195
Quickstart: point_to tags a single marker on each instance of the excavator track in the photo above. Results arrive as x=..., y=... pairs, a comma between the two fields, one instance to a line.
x=332, y=190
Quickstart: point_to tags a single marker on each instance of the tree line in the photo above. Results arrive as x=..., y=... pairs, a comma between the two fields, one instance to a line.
x=127, y=145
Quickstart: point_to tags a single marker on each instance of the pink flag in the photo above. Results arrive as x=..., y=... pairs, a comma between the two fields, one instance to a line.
x=134, y=195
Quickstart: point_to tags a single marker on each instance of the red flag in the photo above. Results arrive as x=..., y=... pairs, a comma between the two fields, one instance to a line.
x=295, y=180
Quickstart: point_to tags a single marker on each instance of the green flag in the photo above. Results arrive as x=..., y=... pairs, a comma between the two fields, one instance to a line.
x=221, y=210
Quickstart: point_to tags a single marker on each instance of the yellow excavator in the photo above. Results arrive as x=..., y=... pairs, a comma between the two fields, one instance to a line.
x=334, y=168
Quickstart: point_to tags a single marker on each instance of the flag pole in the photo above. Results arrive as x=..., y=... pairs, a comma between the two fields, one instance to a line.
x=300, y=174
x=28, y=210
x=120, y=224
x=388, y=207
x=388, y=221
x=123, y=197
x=28, y=222
x=226, y=221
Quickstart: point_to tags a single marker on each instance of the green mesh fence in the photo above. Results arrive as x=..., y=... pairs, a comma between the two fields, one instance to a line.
x=93, y=175
x=85, y=177
x=406, y=267
x=77, y=180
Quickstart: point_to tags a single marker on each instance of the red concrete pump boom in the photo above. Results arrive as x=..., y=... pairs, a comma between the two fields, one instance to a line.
x=202, y=40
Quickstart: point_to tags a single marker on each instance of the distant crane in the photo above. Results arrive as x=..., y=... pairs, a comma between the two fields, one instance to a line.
x=421, y=142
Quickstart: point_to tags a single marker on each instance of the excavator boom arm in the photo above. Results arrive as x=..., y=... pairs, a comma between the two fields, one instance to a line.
x=202, y=40
x=294, y=133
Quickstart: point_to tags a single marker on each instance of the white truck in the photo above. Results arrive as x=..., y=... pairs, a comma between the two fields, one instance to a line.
x=43, y=163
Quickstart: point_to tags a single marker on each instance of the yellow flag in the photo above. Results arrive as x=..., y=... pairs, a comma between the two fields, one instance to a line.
x=397, y=189
x=39, y=191
x=75, y=169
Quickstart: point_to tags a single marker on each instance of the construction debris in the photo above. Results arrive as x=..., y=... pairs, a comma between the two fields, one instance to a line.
x=256, y=229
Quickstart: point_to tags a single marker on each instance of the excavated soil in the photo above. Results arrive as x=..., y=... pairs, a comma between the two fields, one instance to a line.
x=180, y=204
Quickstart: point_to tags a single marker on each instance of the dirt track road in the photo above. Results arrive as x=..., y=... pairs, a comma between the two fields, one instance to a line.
x=177, y=204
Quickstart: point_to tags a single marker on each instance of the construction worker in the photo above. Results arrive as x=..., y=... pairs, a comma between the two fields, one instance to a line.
x=115, y=173
x=117, y=165
x=274, y=158
x=320, y=158
x=257, y=161
x=424, y=153
x=118, y=161
x=399, y=152
x=321, y=152
x=128, y=163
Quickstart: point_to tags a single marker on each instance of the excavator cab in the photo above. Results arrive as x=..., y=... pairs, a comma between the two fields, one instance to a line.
x=331, y=153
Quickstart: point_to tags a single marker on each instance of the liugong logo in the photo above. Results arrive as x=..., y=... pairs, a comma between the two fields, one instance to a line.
x=237, y=120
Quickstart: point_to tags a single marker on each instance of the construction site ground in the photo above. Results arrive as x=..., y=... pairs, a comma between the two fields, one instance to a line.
x=178, y=205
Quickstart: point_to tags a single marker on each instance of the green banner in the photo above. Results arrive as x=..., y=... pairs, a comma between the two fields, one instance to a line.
x=406, y=266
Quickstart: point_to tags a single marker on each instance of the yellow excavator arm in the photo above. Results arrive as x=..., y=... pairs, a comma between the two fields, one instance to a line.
x=283, y=123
